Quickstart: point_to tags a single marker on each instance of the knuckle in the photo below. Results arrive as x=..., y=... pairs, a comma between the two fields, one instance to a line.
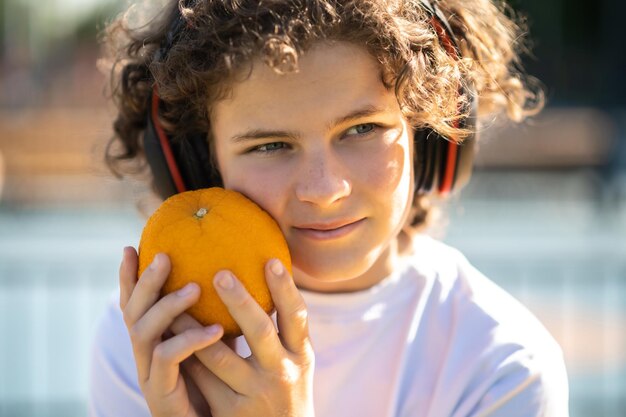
x=264, y=330
x=244, y=302
x=307, y=355
x=304, y=353
x=190, y=337
x=290, y=373
x=219, y=358
x=175, y=303
x=299, y=314
x=286, y=379
x=137, y=335
x=153, y=284
x=168, y=308
x=128, y=320
x=238, y=407
x=151, y=280
x=161, y=354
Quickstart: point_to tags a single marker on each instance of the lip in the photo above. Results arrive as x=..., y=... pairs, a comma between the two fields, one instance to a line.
x=331, y=230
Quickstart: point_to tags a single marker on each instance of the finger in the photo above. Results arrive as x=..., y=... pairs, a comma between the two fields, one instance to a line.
x=184, y=322
x=168, y=355
x=207, y=383
x=254, y=322
x=228, y=366
x=291, y=310
x=196, y=397
x=167, y=310
x=127, y=275
x=148, y=331
x=219, y=358
x=147, y=290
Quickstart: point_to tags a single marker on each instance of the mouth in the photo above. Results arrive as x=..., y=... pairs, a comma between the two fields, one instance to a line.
x=332, y=230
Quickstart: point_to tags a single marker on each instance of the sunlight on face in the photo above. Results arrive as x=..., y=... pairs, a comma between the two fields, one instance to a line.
x=327, y=152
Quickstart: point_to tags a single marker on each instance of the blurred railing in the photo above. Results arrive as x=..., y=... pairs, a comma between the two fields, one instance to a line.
x=57, y=269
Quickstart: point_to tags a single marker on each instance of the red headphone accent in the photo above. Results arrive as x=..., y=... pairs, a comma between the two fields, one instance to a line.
x=448, y=179
x=165, y=144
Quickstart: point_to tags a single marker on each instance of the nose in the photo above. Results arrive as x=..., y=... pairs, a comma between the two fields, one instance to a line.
x=322, y=181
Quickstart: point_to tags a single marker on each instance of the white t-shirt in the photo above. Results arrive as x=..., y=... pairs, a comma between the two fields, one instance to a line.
x=434, y=339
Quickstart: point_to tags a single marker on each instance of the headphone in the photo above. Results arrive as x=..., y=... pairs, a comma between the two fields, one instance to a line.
x=441, y=166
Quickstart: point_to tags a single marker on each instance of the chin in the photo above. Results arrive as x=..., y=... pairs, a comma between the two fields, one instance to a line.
x=334, y=270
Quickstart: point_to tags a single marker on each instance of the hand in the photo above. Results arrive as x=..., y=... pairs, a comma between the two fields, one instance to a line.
x=277, y=379
x=147, y=317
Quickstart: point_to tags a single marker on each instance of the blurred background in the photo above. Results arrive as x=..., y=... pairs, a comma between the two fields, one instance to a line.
x=544, y=215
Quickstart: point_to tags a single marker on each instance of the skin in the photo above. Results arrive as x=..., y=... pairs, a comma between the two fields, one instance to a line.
x=355, y=170
x=359, y=170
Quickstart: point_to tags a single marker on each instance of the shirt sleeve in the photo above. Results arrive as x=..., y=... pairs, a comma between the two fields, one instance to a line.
x=519, y=368
x=113, y=387
x=523, y=385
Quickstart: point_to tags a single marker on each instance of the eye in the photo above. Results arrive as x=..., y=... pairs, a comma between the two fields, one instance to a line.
x=268, y=148
x=363, y=129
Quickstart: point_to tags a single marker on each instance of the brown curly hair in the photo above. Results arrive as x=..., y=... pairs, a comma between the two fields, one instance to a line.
x=220, y=39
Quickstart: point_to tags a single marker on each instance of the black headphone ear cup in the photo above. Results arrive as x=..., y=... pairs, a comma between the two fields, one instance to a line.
x=465, y=163
x=192, y=157
x=419, y=158
x=187, y=164
x=439, y=152
x=433, y=151
x=443, y=149
x=163, y=181
x=467, y=148
x=445, y=172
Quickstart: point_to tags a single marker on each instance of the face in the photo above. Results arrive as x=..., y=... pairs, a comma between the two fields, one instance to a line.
x=326, y=152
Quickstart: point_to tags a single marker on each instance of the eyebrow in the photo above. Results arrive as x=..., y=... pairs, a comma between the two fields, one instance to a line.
x=253, y=134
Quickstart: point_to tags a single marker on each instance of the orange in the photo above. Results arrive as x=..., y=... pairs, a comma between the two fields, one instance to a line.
x=205, y=231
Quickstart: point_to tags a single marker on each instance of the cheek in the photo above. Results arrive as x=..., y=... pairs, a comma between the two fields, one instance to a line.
x=388, y=180
x=266, y=187
x=388, y=170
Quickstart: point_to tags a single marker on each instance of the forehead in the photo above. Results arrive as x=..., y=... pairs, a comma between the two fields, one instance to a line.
x=332, y=78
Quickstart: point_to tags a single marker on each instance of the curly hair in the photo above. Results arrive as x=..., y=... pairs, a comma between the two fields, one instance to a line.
x=220, y=39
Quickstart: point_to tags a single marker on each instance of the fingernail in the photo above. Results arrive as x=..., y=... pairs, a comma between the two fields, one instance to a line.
x=155, y=263
x=277, y=267
x=212, y=330
x=186, y=290
x=225, y=280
